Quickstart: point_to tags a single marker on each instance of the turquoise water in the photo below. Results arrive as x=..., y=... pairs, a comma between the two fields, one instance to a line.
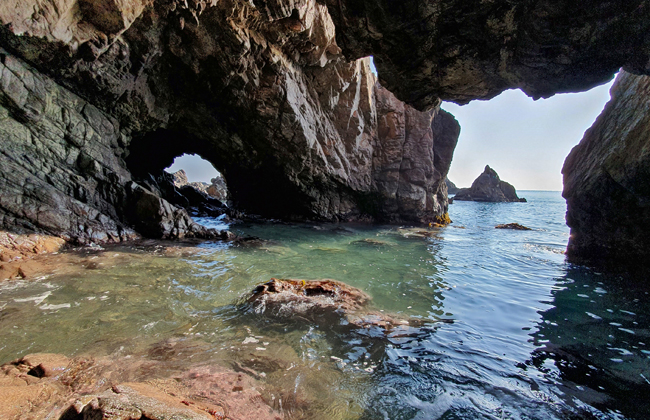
x=510, y=330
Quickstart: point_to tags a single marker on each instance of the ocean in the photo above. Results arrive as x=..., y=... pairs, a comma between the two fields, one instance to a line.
x=502, y=325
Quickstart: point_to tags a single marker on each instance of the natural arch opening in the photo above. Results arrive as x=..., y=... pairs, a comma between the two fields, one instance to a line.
x=198, y=173
x=526, y=141
x=258, y=183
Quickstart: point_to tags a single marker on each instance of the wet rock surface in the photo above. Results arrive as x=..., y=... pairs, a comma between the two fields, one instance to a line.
x=17, y=252
x=41, y=386
x=28, y=265
x=513, y=226
x=322, y=301
x=606, y=180
x=488, y=187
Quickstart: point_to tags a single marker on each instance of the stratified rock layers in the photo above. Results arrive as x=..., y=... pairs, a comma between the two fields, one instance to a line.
x=606, y=179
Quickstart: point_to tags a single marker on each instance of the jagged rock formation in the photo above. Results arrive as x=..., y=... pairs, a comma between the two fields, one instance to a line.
x=218, y=188
x=451, y=187
x=489, y=187
x=180, y=179
x=263, y=91
x=606, y=180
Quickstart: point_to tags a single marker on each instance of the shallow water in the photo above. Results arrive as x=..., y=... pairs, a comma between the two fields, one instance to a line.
x=510, y=329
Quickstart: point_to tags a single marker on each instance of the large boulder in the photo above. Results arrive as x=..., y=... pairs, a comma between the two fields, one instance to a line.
x=489, y=187
x=606, y=180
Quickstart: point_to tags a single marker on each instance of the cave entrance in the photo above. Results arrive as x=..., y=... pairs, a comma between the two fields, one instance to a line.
x=194, y=171
x=526, y=141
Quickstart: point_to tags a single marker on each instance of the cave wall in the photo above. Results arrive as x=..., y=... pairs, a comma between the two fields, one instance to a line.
x=606, y=180
x=61, y=170
x=260, y=91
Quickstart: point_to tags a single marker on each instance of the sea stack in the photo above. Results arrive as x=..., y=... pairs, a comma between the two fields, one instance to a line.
x=451, y=187
x=488, y=187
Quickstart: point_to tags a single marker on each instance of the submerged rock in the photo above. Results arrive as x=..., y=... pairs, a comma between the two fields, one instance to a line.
x=488, y=187
x=514, y=226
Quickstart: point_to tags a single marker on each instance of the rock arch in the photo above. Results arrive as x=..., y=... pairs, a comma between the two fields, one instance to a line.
x=272, y=93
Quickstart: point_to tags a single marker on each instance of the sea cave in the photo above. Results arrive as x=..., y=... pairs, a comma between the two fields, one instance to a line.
x=325, y=272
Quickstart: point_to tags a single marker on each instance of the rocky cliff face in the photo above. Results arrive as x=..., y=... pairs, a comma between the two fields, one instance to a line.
x=260, y=90
x=488, y=187
x=606, y=180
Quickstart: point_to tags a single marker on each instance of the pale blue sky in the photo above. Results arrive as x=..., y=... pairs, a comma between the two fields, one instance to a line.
x=525, y=141
x=197, y=169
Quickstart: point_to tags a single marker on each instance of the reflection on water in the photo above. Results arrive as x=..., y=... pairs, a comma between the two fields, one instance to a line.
x=595, y=342
x=502, y=326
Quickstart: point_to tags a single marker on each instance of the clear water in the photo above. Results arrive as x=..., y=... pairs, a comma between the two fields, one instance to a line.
x=527, y=336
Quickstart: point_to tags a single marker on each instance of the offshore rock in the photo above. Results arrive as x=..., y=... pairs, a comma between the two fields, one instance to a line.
x=451, y=187
x=513, y=226
x=606, y=180
x=488, y=187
